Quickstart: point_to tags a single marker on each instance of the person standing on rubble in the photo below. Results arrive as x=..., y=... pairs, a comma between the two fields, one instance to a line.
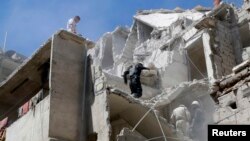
x=217, y=3
x=134, y=73
x=198, y=122
x=180, y=118
x=71, y=25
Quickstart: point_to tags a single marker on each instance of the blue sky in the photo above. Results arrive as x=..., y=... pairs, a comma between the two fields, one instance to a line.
x=31, y=22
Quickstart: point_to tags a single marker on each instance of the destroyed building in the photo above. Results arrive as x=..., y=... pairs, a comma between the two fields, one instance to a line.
x=10, y=60
x=85, y=98
x=231, y=93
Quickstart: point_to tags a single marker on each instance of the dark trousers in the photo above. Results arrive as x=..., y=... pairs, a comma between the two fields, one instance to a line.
x=135, y=86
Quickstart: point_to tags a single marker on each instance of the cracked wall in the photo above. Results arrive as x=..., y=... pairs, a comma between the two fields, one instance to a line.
x=232, y=96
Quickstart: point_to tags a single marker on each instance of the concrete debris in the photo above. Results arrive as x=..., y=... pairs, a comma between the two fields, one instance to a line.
x=162, y=20
x=146, y=12
x=233, y=82
x=128, y=135
x=201, y=8
x=232, y=96
x=231, y=92
x=198, y=47
x=241, y=66
x=179, y=10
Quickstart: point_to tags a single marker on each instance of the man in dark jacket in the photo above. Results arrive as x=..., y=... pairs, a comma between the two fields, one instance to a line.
x=134, y=73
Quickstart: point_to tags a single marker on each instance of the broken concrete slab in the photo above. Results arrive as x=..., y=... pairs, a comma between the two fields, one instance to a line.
x=13, y=91
x=128, y=135
x=161, y=20
x=132, y=111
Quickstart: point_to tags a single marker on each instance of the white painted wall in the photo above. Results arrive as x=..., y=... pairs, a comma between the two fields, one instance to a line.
x=33, y=126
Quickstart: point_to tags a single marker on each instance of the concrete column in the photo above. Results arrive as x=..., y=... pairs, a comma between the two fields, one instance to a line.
x=208, y=56
x=66, y=83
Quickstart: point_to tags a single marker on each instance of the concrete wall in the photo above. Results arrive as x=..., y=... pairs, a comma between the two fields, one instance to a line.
x=246, y=53
x=66, y=83
x=196, y=61
x=171, y=65
x=225, y=49
x=33, y=126
x=59, y=116
x=244, y=15
x=98, y=107
x=131, y=43
x=119, y=38
x=234, y=107
x=219, y=51
x=128, y=135
x=144, y=32
x=206, y=38
x=103, y=51
x=244, y=28
x=100, y=117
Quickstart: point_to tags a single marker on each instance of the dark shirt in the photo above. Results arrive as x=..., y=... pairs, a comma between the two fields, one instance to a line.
x=134, y=72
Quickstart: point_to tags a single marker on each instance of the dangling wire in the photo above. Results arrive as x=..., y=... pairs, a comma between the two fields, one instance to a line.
x=196, y=67
x=160, y=126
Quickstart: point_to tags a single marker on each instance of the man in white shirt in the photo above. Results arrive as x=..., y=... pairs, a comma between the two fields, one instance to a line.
x=71, y=25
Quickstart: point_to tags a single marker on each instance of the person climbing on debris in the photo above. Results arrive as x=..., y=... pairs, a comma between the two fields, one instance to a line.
x=134, y=73
x=180, y=119
x=71, y=25
x=198, y=122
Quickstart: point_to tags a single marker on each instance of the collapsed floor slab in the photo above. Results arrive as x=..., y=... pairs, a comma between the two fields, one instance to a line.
x=132, y=111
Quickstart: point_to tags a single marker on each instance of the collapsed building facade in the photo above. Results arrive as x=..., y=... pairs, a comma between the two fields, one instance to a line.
x=85, y=98
x=231, y=93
